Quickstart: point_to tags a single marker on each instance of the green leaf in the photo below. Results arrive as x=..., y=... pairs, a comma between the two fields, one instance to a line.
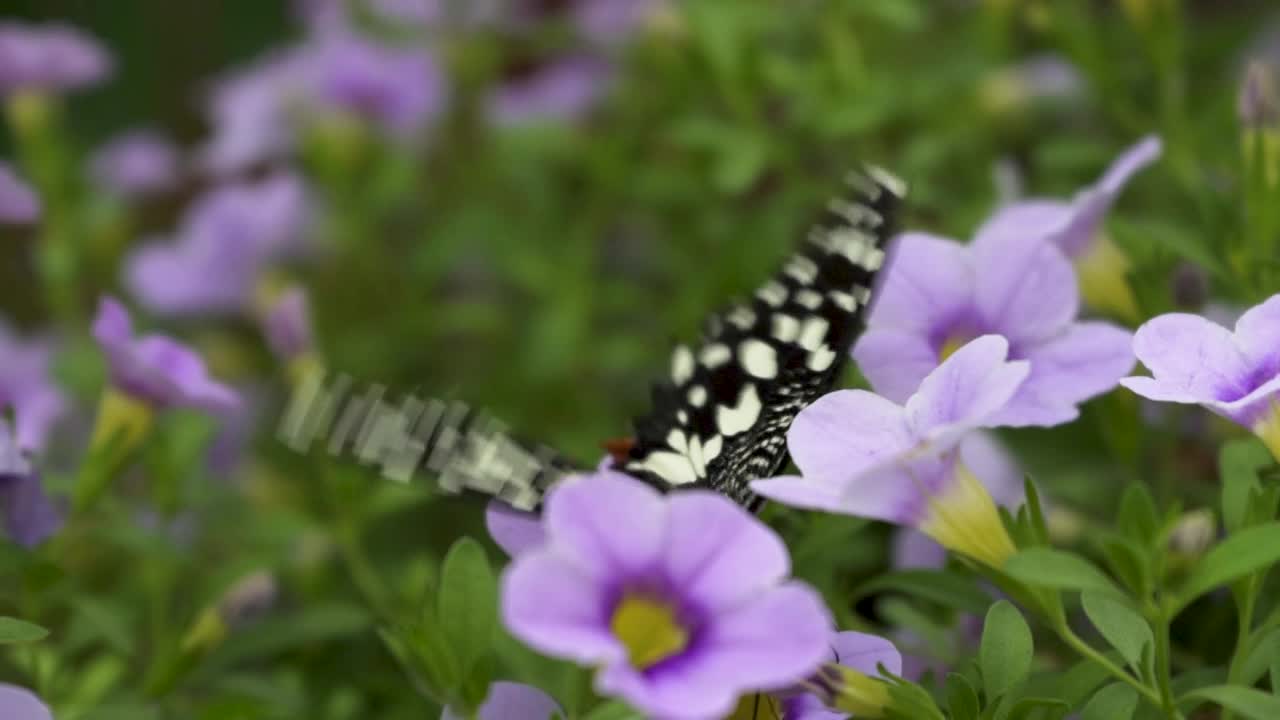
x=613, y=711
x=1128, y=562
x=1035, y=511
x=1138, y=517
x=945, y=588
x=13, y=630
x=1057, y=569
x=1245, y=701
x=468, y=602
x=1124, y=629
x=1005, y=654
x=1116, y=701
x=1238, y=465
x=962, y=699
x=1248, y=550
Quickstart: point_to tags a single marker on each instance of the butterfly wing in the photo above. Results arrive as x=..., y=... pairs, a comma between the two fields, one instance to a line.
x=720, y=419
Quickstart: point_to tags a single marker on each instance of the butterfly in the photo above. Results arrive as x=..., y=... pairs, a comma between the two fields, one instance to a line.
x=718, y=420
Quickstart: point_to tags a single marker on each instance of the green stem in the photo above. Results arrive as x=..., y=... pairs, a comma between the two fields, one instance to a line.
x=1086, y=651
x=1159, y=619
x=1246, y=602
x=347, y=536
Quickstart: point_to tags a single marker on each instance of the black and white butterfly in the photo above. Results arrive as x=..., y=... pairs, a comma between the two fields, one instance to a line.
x=719, y=420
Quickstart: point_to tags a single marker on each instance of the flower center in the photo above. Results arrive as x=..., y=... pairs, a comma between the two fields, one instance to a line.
x=951, y=345
x=1268, y=429
x=963, y=518
x=648, y=629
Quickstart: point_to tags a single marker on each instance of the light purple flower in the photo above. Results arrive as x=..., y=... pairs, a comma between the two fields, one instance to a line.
x=49, y=58
x=287, y=325
x=17, y=703
x=225, y=241
x=250, y=113
x=334, y=15
x=563, y=89
x=18, y=202
x=27, y=388
x=515, y=531
x=136, y=164
x=155, y=369
x=982, y=453
x=939, y=294
x=30, y=516
x=513, y=701
x=398, y=89
x=681, y=601
x=861, y=454
x=608, y=21
x=850, y=651
x=1234, y=374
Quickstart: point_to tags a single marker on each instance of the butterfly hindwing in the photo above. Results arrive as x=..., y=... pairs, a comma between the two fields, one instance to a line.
x=720, y=419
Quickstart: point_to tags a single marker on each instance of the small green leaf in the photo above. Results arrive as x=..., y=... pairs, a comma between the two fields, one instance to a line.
x=1116, y=701
x=1245, y=701
x=1238, y=465
x=1249, y=550
x=962, y=699
x=468, y=602
x=1057, y=569
x=613, y=711
x=1124, y=629
x=13, y=630
x=1138, y=517
x=1005, y=654
x=945, y=588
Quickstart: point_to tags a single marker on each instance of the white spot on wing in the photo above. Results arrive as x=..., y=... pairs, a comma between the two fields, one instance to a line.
x=802, y=269
x=742, y=317
x=715, y=355
x=758, y=358
x=809, y=299
x=822, y=359
x=682, y=365
x=844, y=301
x=739, y=418
x=671, y=467
x=697, y=396
x=785, y=328
x=813, y=333
x=772, y=293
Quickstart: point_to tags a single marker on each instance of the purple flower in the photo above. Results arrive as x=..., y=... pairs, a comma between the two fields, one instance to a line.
x=861, y=454
x=249, y=111
x=334, y=15
x=1257, y=106
x=983, y=455
x=49, y=58
x=940, y=294
x=27, y=389
x=18, y=202
x=18, y=703
x=226, y=239
x=514, y=531
x=848, y=681
x=608, y=21
x=1235, y=375
x=399, y=89
x=135, y=164
x=30, y=517
x=1038, y=78
x=563, y=89
x=681, y=600
x=155, y=369
x=513, y=701
x=287, y=325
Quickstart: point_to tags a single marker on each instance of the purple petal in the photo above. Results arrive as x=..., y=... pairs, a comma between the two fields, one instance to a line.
x=928, y=284
x=555, y=605
x=17, y=703
x=1085, y=361
x=864, y=653
x=611, y=523
x=140, y=162
x=30, y=516
x=190, y=278
x=1258, y=336
x=999, y=471
x=515, y=531
x=1191, y=360
x=27, y=389
x=1248, y=410
x=563, y=90
x=846, y=431
x=1028, y=218
x=397, y=88
x=725, y=555
x=287, y=325
x=18, y=202
x=1028, y=290
x=250, y=114
x=1089, y=207
x=609, y=21
x=889, y=494
x=774, y=640
x=49, y=58
x=972, y=385
x=894, y=361
x=512, y=701
x=913, y=549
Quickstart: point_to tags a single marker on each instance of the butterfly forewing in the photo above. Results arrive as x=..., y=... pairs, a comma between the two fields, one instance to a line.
x=721, y=417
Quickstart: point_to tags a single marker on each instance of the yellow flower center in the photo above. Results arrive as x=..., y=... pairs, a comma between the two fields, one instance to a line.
x=1102, y=271
x=964, y=518
x=648, y=629
x=952, y=344
x=1268, y=429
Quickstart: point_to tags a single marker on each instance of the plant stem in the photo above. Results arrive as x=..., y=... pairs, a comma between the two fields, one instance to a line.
x=1246, y=602
x=1159, y=618
x=1084, y=649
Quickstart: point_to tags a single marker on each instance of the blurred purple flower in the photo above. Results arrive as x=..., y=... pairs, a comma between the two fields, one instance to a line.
x=28, y=390
x=848, y=681
x=512, y=701
x=1257, y=105
x=939, y=294
x=563, y=89
x=399, y=89
x=681, y=601
x=135, y=164
x=860, y=454
x=49, y=58
x=17, y=703
x=983, y=455
x=1037, y=78
x=515, y=531
x=249, y=111
x=18, y=202
x=156, y=369
x=1235, y=375
x=30, y=517
x=609, y=21
x=287, y=325
x=226, y=239
x=335, y=16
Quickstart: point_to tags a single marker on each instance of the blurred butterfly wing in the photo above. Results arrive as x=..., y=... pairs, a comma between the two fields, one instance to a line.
x=721, y=418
